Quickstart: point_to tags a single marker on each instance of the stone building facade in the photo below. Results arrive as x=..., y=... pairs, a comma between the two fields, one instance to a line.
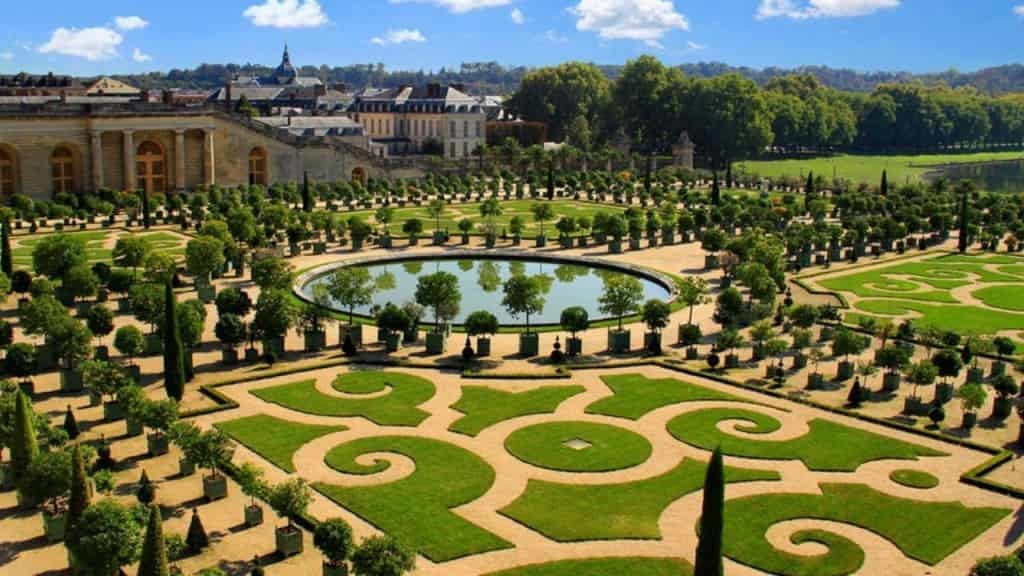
x=53, y=148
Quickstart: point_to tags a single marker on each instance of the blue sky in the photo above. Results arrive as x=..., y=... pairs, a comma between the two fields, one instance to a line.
x=91, y=37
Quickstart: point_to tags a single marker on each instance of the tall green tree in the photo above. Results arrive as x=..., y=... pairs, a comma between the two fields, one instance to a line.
x=81, y=490
x=174, y=351
x=709, y=548
x=145, y=208
x=154, y=552
x=24, y=445
x=648, y=100
x=884, y=189
x=573, y=100
x=6, y=260
x=307, y=194
x=964, y=240
x=727, y=117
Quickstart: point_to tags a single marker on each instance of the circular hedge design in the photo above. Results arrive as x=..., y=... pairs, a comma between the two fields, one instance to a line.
x=549, y=445
x=914, y=479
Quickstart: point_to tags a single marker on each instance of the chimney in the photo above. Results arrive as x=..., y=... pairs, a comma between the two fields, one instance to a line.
x=433, y=90
x=227, y=94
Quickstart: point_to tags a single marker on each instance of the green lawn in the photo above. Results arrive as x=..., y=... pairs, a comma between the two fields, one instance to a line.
x=924, y=531
x=575, y=513
x=94, y=250
x=868, y=168
x=416, y=509
x=628, y=566
x=274, y=439
x=456, y=212
x=611, y=448
x=1007, y=297
x=827, y=446
x=484, y=407
x=964, y=320
x=636, y=395
x=396, y=408
x=914, y=479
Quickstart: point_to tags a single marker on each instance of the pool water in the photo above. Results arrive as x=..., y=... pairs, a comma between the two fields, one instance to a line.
x=481, y=281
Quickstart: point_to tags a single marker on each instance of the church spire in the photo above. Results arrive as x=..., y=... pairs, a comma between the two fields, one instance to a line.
x=286, y=59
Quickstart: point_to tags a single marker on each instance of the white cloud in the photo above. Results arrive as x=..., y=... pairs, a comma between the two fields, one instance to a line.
x=803, y=10
x=129, y=23
x=287, y=14
x=140, y=56
x=400, y=36
x=89, y=43
x=695, y=47
x=1019, y=10
x=459, y=6
x=517, y=16
x=553, y=36
x=644, y=20
x=7, y=56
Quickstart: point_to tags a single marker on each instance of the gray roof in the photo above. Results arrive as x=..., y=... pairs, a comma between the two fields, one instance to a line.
x=314, y=125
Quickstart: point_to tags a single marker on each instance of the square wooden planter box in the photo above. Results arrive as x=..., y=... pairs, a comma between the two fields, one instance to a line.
x=618, y=341
x=529, y=345
x=573, y=346
x=355, y=332
x=288, y=541
x=435, y=343
x=483, y=347
x=253, y=516
x=215, y=488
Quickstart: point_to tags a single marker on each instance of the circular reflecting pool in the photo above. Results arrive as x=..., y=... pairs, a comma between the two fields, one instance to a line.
x=567, y=283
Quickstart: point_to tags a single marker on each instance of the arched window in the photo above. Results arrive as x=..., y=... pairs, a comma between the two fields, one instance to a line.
x=258, y=167
x=150, y=168
x=359, y=175
x=62, y=170
x=6, y=174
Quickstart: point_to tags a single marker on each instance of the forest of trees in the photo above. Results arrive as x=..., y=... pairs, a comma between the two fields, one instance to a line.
x=493, y=78
x=731, y=117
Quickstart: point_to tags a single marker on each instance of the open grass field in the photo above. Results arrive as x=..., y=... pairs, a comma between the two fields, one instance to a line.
x=99, y=245
x=869, y=169
x=449, y=486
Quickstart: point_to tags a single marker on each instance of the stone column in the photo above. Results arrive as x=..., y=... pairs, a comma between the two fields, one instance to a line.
x=129, y=160
x=209, y=158
x=96, y=148
x=179, y=160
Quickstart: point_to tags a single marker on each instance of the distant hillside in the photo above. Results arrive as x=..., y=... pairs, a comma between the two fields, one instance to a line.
x=493, y=78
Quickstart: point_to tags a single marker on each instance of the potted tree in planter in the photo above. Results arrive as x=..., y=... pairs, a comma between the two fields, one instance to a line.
x=358, y=232
x=920, y=374
x=311, y=318
x=250, y=479
x=542, y=212
x=974, y=348
x=615, y=227
x=274, y=317
x=159, y=416
x=106, y=537
x=729, y=340
x=211, y=449
x=712, y=241
x=815, y=379
x=481, y=325
x=393, y=321
x=48, y=481
x=465, y=227
x=21, y=363
x=692, y=292
x=515, y=227
x=893, y=359
x=70, y=341
x=231, y=332
x=412, y=228
x=100, y=322
x=948, y=364
x=436, y=209
x=384, y=215
x=333, y=538
x=972, y=398
x=1004, y=347
x=490, y=209
x=134, y=403
x=621, y=296
x=106, y=380
x=566, y=225
x=844, y=344
x=524, y=296
x=655, y=315
x=574, y=319
x=760, y=333
x=415, y=312
x=147, y=302
x=204, y=255
x=801, y=340
x=1006, y=388
x=439, y=292
x=690, y=336
x=290, y=499
x=184, y=435
x=129, y=341
x=351, y=287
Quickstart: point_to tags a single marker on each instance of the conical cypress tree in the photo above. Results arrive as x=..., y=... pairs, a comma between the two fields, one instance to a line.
x=145, y=208
x=146, y=492
x=647, y=175
x=307, y=194
x=174, y=357
x=196, y=539
x=709, y=548
x=809, y=188
x=81, y=494
x=856, y=394
x=716, y=192
x=154, y=553
x=6, y=262
x=24, y=446
x=70, y=424
x=884, y=190
x=964, y=221
x=551, y=180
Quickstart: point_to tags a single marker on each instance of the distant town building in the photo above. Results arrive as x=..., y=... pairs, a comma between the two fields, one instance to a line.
x=431, y=119
x=284, y=90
